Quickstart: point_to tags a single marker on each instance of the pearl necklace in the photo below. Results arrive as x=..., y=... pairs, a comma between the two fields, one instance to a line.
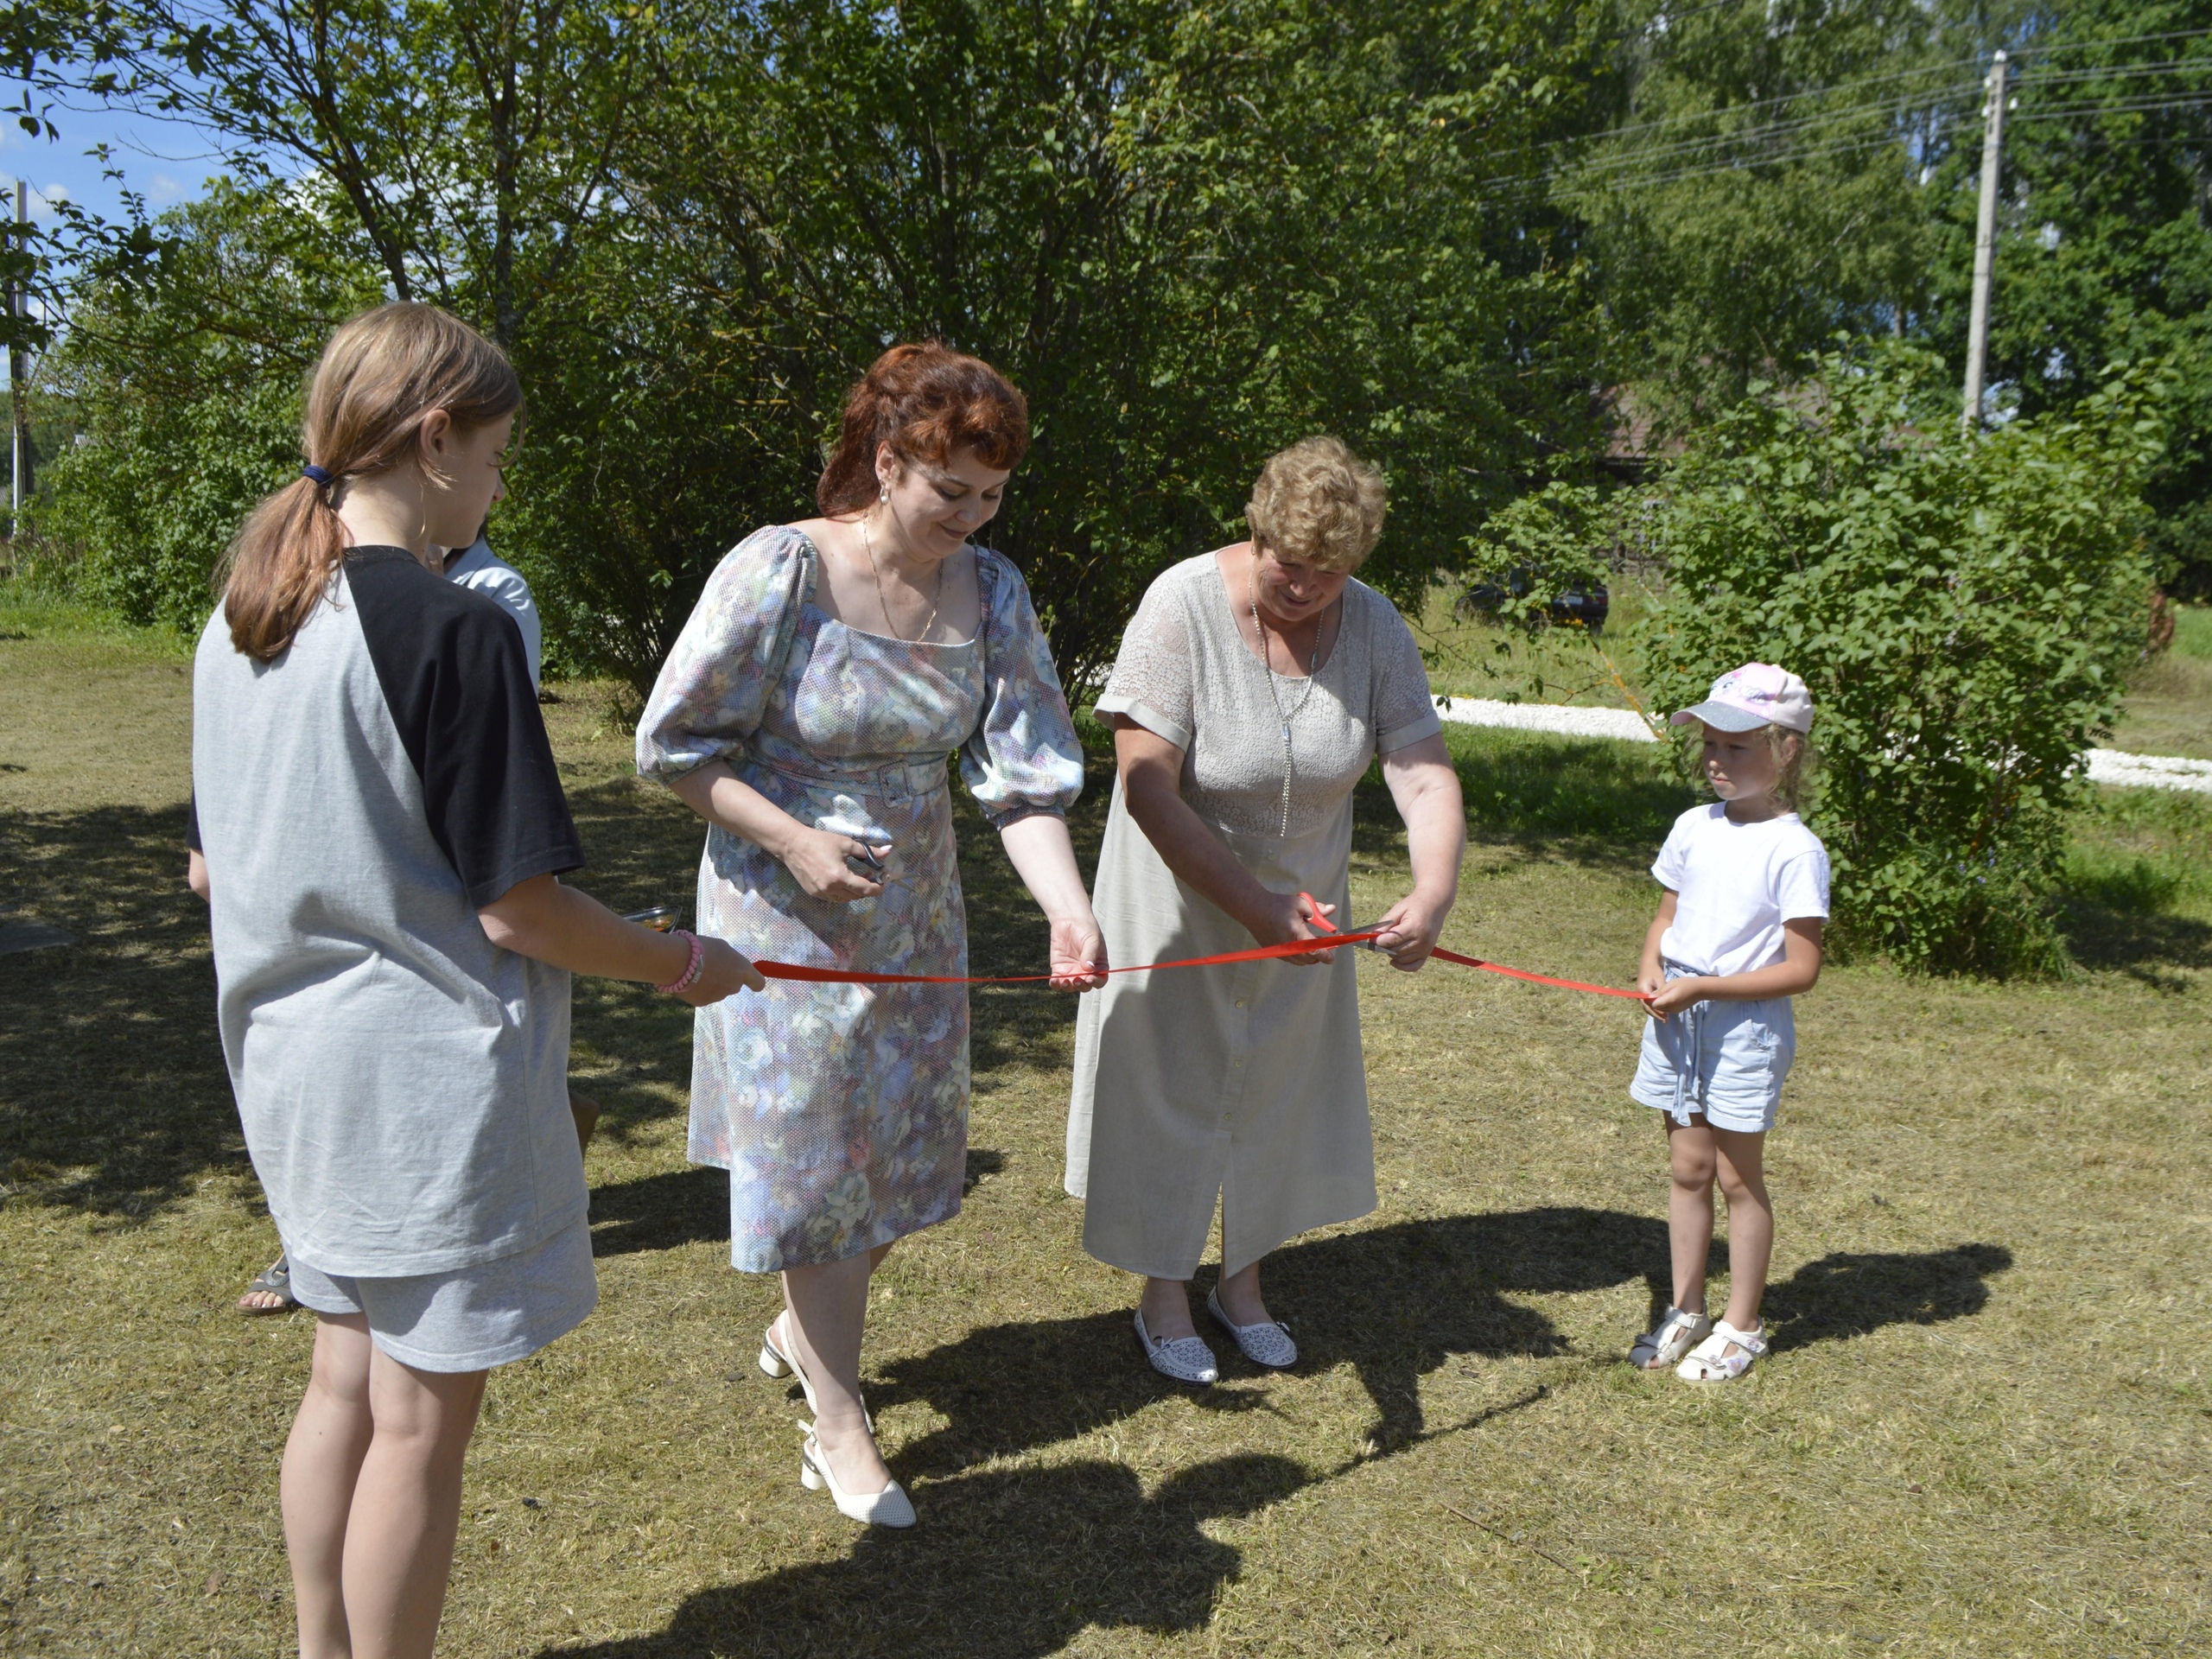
x=1285, y=717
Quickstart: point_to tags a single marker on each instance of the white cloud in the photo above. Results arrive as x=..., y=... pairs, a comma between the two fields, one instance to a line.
x=162, y=190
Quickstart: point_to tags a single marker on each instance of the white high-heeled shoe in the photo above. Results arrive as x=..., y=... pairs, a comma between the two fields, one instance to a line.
x=775, y=1363
x=889, y=1508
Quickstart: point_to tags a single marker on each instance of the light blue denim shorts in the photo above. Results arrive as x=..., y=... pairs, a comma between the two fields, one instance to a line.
x=1725, y=1059
x=470, y=1319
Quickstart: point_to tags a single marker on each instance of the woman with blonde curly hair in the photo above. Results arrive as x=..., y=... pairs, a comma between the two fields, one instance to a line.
x=1253, y=688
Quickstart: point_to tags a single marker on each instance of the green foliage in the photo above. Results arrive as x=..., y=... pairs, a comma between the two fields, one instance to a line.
x=182, y=376
x=1191, y=236
x=2104, y=253
x=1963, y=610
x=1759, y=193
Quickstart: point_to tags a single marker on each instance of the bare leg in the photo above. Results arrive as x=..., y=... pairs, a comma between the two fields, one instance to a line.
x=829, y=1310
x=407, y=1507
x=1166, y=1308
x=1689, y=1207
x=322, y=1461
x=372, y=1495
x=1751, y=1223
x=1240, y=1296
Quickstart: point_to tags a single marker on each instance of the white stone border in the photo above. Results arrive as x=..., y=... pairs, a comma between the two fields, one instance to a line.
x=2106, y=766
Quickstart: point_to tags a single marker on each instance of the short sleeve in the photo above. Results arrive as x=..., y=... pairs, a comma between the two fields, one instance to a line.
x=1023, y=757
x=508, y=586
x=192, y=822
x=1151, y=683
x=1672, y=865
x=451, y=666
x=714, y=686
x=1402, y=712
x=1801, y=885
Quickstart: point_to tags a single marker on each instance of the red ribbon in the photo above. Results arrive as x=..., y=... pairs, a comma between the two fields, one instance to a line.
x=1258, y=953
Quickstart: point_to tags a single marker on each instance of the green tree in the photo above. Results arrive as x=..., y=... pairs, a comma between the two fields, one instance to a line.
x=1963, y=608
x=1766, y=187
x=181, y=372
x=2104, y=253
x=1191, y=236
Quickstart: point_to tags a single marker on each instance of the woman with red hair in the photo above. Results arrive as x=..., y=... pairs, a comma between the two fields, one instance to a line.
x=806, y=713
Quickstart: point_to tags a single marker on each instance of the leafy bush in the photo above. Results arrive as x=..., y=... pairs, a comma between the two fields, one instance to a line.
x=1963, y=609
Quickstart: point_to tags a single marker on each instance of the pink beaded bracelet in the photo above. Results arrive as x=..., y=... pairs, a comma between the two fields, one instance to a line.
x=690, y=976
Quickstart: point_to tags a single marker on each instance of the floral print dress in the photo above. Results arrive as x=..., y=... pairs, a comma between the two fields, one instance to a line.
x=841, y=1111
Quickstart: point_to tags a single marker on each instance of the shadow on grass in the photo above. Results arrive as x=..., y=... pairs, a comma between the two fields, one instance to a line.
x=691, y=1207
x=1396, y=1303
x=1596, y=802
x=1008, y=1564
x=2143, y=942
x=114, y=1096
x=1850, y=1294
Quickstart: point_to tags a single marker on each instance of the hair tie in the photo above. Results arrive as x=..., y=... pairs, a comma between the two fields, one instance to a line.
x=317, y=473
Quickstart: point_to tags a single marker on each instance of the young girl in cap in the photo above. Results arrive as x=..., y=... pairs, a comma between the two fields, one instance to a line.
x=378, y=823
x=1737, y=936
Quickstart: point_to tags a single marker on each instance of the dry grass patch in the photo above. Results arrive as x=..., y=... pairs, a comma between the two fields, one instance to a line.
x=1985, y=1429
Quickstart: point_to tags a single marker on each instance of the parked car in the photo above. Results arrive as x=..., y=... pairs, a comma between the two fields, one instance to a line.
x=1582, y=603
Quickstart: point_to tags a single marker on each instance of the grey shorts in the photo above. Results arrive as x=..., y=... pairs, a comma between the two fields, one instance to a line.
x=1725, y=1059
x=471, y=1319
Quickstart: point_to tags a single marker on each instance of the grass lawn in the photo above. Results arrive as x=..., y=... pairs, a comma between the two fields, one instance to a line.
x=1986, y=1428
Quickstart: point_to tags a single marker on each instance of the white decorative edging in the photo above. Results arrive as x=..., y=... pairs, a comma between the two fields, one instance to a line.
x=2151, y=771
x=2106, y=766
x=1546, y=717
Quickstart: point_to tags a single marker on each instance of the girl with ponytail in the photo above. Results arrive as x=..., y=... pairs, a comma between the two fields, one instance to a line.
x=378, y=827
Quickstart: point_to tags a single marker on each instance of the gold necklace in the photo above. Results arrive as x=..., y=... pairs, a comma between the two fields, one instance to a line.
x=936, y=593
x=1312, y=673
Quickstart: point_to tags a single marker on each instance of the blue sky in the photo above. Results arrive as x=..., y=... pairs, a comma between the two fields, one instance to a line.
x=166, y=163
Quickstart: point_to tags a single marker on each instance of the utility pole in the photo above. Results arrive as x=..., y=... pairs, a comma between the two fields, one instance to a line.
x=14, y=415
x=1985, y=241
x=19, y=487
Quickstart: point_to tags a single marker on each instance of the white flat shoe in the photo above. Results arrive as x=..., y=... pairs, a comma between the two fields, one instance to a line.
x=1268, y=1345
x=1185, y=1359
x=889, y=1508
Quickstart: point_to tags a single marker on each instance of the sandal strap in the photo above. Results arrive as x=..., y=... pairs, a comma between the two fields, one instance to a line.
x=1751, y=1342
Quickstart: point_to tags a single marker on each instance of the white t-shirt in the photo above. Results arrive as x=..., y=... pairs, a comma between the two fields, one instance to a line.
x=486, y=573
x=1740, y=883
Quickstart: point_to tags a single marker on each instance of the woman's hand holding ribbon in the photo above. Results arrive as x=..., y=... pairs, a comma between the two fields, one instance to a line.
x=1408, y=930
x=1287, y=916
x=1078, y=954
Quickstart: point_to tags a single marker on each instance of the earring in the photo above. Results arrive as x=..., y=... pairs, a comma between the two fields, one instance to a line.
x=884, y=494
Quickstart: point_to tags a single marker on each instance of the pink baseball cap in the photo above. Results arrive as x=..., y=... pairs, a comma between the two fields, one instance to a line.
x=1757, y=694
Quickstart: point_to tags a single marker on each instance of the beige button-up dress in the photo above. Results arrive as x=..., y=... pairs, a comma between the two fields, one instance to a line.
x=1245, y=1084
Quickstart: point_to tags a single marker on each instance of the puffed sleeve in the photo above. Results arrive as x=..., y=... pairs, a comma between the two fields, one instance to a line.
x=1402, y=711
x=1150, y=684
x=1023, y=757
x=716, y=682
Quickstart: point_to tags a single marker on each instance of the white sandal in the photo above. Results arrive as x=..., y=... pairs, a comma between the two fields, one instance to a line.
x=1185, y=1359
x=1711, y=1361
x=889, y=1508
x=1677, y=1334
x=1268, y=1345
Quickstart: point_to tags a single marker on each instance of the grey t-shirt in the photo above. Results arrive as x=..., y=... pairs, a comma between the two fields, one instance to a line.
x=401, y=1080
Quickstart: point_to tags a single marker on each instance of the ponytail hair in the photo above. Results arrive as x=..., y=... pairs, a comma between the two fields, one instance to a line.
x=378, y=380
x=924, y=400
